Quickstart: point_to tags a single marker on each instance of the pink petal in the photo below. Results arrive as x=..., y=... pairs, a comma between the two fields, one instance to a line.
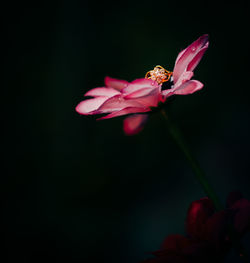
x=180, y=54
x=125, y=111
x=196, y=60
x=188, y=87
x=134, y=123
x=107, y=92
x=185, y=76
x=87, y=107
x=150, y=100
x=188, y=54
x=117, y=103
x=117, y=84
x=146, y=96
x=139, y=84
x=138, y=93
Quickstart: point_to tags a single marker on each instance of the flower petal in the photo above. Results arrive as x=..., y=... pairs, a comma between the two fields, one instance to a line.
x=150, y=99
x=196, y=60
x=117, y=84
x=188, y=87
x=188, y=54
x=125, y=111
x=87, y=107
x=138, y=93
x=197, y=215
x=103, y=91
x=140, y=84
x=117, y=103
x=134, y=124
x=216, y=229
x=242, y=220
x=242, y=215
x=185, y=76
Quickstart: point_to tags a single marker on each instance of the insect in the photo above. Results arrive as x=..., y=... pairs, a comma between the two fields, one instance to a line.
x=159, y=74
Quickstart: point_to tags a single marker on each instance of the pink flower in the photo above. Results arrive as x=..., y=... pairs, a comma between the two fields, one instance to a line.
x=119, y=97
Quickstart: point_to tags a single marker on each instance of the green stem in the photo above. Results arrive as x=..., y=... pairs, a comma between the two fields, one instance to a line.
x=199, y=174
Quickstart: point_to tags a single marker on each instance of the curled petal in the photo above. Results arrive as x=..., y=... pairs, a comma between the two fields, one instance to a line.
x=196, y=60
x=117, y=103
x=88, y=107
x=125, y=111
x=188, y=87
x=188, y=54
x=140, y=84
x=134, y=124
x=100, y=92
x=179, y=55
x=117, y=84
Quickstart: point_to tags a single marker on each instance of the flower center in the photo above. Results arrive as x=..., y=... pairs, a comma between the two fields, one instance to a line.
x=159, y=74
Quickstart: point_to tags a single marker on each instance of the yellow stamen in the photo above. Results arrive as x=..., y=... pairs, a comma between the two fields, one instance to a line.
x=159, y=74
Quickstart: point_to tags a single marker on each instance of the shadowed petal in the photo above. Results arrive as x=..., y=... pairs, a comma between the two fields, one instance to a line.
x=134, y=123
x=125, y=111
x=198, y=213
x=88, y=107
x=233, y=197
x=242, y=216
x=216, y=228
x=99, y=92
x=242, y=220
x=188, y=55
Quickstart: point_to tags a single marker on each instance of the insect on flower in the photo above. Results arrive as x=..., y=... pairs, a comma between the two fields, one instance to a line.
x=120, y=97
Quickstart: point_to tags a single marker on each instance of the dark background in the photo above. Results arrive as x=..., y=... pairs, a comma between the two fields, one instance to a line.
x=77, y=190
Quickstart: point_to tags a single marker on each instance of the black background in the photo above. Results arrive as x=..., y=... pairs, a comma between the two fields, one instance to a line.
x=78, y=190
